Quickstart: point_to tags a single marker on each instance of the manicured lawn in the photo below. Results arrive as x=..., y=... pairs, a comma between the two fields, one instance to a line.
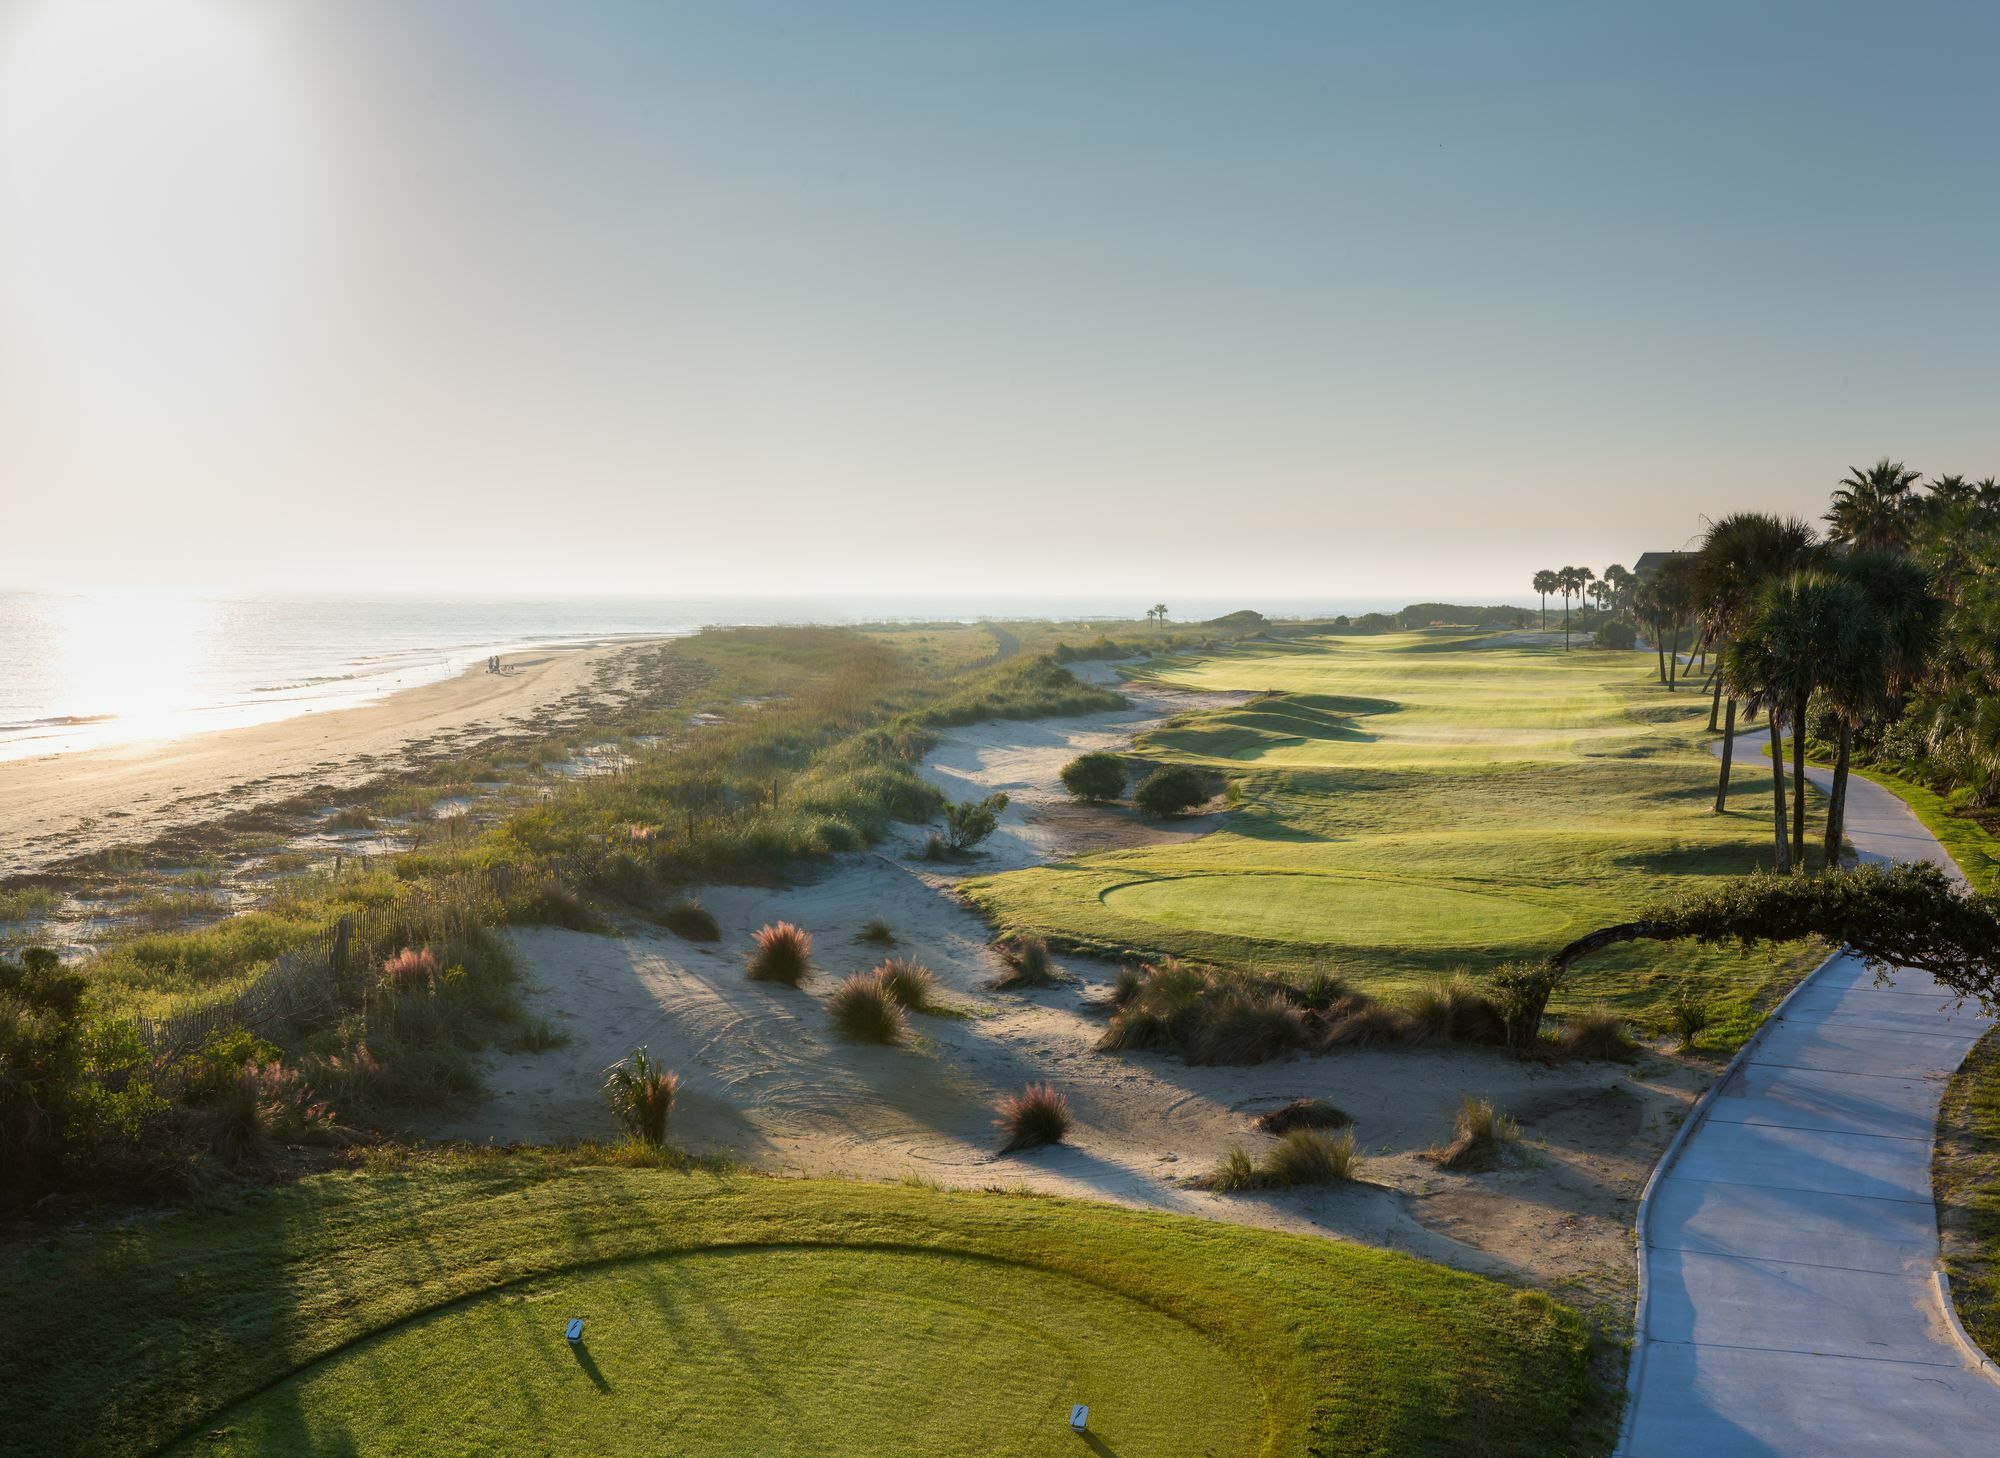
x=1415, y=803
x=421, y=1310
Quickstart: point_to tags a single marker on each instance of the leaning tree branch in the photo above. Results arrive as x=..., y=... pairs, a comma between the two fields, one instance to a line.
x=1901, y=916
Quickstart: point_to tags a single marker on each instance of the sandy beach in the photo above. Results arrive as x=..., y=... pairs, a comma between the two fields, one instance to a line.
x=56, y=806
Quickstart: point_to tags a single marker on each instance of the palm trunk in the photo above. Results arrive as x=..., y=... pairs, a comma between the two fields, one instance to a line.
x=1565, y=622
x=1660, y=649
x=1836, y=799
x=1674, y=660
x=1715, y=707
x=1778, y=793
x=1799, y=786
x=1728, y=751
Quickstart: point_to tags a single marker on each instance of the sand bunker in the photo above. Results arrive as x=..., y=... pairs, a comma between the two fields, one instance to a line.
x=767, y=1079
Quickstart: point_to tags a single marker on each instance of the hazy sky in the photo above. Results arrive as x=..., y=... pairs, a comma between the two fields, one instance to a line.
x=1271, y=299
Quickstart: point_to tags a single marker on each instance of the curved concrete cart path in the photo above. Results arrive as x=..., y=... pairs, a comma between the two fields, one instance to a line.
x=1789, y=1249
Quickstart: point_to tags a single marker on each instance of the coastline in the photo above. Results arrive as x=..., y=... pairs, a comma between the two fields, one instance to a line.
x=61, y=805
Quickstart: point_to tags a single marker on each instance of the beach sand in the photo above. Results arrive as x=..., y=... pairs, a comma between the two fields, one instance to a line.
x=56, y=806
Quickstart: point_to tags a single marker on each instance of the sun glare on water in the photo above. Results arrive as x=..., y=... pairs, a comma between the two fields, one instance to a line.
x=132, y=657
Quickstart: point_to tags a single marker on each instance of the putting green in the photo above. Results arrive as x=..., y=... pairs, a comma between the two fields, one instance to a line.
x=1337, y=910
x=1416, y=803
x=830, y=1350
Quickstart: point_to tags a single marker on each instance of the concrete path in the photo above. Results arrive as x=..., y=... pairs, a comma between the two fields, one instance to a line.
x=1790, y=1305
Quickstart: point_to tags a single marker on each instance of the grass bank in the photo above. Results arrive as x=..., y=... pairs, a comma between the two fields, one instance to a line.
x=1409, y=804
x=422, y=1309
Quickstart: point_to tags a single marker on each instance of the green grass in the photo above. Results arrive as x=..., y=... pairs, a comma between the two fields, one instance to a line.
x=1411, y=803
x=421, y=1310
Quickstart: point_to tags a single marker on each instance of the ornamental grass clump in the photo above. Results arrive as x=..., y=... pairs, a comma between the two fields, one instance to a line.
x=692, y=920
x=1688, y=1014
x=913, y=985
x=1597, y=1034
x=1028, y=963
x=641, y=1094
x=1454, y=1009
x=1035, y=1116
x=876, y=930
x=782, y=953
x=866, y=1011
x=1478, y=1133
x=410, y=967
x=1301, y=1157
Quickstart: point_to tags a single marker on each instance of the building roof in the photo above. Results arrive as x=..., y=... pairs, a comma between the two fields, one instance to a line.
x=1650, y=562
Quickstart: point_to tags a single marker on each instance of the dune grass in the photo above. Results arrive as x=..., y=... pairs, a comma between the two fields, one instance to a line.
x=1414, y=803
x=396, y=1311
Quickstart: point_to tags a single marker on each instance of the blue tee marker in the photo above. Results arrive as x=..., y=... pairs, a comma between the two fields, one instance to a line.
x=575, y=1332
x=1079, y=1418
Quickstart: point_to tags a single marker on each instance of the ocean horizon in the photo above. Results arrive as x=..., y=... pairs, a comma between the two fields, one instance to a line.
x=88, y=670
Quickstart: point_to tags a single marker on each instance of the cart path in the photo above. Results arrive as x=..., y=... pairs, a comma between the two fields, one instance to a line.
x=1790, y=1247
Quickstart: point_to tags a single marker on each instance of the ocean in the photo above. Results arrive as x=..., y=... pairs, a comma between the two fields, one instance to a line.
x=81, y=671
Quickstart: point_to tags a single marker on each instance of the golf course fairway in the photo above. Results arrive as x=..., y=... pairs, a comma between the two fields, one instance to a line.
x=424, y=1310
x=1410, y=804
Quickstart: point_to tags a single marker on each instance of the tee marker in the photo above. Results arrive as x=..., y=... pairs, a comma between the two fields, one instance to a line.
x=575, y=1332
x=1079, y=1418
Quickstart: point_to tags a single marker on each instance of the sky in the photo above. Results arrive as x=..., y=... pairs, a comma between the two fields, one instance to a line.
x=1303, y=299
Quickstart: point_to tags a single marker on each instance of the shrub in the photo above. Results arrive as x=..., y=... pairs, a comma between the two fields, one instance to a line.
x=1302, y=1157
x=692, y=920
x=1478, y=1132
x=877, y=931
x=1598, y=1033
x=866, y=1010
x=1453, y=1010
x=1523, y=990
x=1205, y=1015
x=1028, y=963
x=1172, y=789
x=642, y=1095
x=1304, y=1114
x=1126, y=984
x=1688, y=1013
x=969, y=822
x=1035, y=1116
x=409, y=967
x=909, y=982
x=1616, y=634
x=268, y=1104
x=1095, y=776
x=783, y=953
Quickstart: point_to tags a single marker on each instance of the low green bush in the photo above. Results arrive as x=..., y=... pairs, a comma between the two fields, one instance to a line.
x=1170, y=790
x=1097, y=776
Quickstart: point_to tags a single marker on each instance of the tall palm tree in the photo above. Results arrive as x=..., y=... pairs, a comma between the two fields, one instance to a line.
x=1584, y=578
x=1875, y=507
x=1546, y=582
x=1160, y=612
x=1870, y=686
x=1799, y=629
x=1568, y=583
x=1740, y=554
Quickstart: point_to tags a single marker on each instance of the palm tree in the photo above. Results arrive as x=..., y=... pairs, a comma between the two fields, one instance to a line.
x=1568, y=583
x=1740, y=554
x=1584, y=577
x=1160, y=612
x=1619, y=581
x=1546, y=582
x=1875, y=507
x=1869, y=686
x=1673, y=604
x=1801, y=627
